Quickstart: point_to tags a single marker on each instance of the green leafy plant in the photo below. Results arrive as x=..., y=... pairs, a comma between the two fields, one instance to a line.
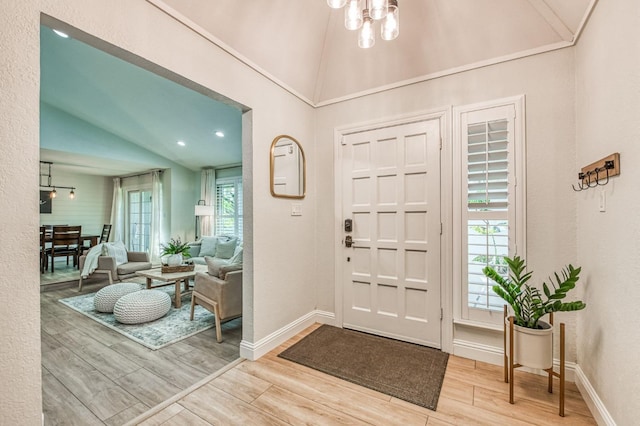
x=175, y=246
x=528, y=303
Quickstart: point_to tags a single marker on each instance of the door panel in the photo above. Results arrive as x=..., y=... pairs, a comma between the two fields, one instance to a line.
x=391, y=191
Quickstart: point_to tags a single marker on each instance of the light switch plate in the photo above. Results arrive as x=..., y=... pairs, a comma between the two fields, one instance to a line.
x=296, y=209
x=603, y=202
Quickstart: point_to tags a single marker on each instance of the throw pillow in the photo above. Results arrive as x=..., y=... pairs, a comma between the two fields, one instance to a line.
x=224, y=270
x=208, y=246
x=225, y=249
x=236, y=259
x=118, y=251
x=214, y=265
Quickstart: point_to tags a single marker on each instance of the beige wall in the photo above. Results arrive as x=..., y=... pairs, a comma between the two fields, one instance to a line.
x=279, y=242
x=608, y=121
x=548, y=83
x=19, y=320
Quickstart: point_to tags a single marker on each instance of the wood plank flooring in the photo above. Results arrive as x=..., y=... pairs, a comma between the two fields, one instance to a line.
x=274, y=391
x=92, y=375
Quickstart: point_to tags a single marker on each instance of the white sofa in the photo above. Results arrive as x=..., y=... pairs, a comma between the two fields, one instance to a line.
x=223, y=249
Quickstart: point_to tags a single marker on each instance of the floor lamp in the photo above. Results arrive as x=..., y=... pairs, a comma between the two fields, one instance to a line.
x=202, y=210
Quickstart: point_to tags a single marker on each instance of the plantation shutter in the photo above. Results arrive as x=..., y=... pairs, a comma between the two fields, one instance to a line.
x=229, y=206
x=239, y=206
x=487, y=165
x=489, y=190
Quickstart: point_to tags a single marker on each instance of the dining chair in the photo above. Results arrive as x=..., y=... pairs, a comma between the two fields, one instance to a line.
x=65, y=242
x=106, y=231
x=44, y=264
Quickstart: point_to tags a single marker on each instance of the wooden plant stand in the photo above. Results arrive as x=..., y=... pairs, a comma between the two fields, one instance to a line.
x=509, y=365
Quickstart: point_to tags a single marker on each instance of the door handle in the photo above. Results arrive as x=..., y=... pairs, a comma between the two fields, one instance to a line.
x=348, y=241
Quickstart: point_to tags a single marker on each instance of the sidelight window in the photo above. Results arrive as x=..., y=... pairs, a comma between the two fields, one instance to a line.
x=489, y=201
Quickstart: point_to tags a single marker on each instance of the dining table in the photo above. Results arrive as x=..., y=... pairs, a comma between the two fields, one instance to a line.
x=91, y=238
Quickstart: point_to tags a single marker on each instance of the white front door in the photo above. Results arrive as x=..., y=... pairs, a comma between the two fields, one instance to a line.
x=391, y=192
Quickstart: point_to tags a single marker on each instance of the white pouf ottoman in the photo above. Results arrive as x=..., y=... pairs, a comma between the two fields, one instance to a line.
x=142, y=306
x=106, y=298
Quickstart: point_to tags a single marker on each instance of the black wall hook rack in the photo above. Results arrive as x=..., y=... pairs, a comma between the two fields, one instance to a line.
x=598, y=173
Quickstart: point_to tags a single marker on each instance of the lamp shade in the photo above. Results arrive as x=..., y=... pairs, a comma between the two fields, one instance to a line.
x=204, y=210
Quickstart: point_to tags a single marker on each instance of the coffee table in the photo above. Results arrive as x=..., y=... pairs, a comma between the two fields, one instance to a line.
x=171, y=278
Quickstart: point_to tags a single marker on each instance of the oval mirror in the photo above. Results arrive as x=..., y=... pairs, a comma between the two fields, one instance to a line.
x=287, y=168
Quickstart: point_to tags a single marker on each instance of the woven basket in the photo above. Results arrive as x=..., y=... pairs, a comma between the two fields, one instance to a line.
x=179, y=268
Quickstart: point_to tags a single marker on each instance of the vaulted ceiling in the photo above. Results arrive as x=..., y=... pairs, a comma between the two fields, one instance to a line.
x=303, y=43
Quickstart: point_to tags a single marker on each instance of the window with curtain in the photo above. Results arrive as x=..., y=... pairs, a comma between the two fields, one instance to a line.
x=228, y=218
x=139, y=219
x=491, y=202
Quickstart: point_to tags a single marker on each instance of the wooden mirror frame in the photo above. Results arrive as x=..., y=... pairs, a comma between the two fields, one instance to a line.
x=272, y=169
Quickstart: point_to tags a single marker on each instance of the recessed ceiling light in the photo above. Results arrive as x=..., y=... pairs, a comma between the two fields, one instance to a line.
x=61, y=34
x=220, y=134
x=181, y=143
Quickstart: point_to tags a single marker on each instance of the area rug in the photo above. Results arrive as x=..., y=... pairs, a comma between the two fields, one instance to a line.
x=406, y=371
x=169, y=329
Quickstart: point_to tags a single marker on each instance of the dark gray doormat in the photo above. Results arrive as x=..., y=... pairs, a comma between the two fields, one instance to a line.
x=404, y=370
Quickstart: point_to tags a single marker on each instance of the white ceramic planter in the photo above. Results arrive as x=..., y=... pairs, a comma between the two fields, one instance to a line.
x=532, y=348
x=174, y=259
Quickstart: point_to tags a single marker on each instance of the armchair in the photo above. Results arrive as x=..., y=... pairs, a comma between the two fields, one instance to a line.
x=136, y=261
x=223, y=297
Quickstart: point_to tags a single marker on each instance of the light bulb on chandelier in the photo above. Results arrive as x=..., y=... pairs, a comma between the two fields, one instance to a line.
x=361, y=17
x=336, y=4
x=367, y=37
x=377, y=9
x=390, y=27
x=353, y=15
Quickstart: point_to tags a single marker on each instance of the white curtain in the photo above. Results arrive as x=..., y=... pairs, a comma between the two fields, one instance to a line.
x=208, y=194
x=117, y=212
x=156, y=237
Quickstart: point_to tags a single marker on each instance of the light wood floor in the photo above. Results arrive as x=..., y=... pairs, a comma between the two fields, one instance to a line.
x=92, y=375
x=274, y=391
x=95, y=376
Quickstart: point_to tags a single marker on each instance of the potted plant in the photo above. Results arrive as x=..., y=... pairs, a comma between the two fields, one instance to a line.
x=533, y=338
x=174, y=252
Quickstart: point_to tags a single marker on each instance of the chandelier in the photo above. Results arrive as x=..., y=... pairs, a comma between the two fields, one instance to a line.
x=48, y=185
x=361, y=14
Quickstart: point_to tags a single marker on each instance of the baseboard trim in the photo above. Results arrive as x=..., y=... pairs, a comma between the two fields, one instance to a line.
x=591, y=398
x=477, y=351
x=253, y=351
x=493, y=355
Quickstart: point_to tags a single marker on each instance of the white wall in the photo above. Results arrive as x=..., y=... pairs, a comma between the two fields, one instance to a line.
x=91, y=207
x=608, y=121
x=548, y=83
x=281, y=245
